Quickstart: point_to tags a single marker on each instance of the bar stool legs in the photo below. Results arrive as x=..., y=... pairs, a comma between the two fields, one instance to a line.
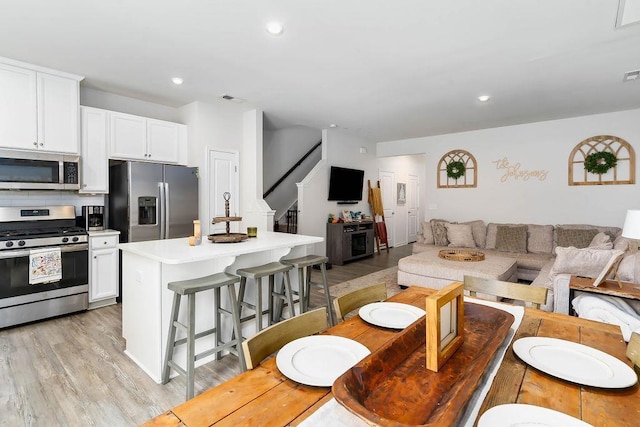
x=191, y=288
x=257, y=274
x=304, y=265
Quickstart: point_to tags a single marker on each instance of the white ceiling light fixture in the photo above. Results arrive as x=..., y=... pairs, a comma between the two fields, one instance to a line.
x=177, y=81
x=484, y=98
x=333, y=125
x=274, y=28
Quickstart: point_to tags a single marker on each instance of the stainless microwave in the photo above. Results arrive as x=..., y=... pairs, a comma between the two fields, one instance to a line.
x=24, y=170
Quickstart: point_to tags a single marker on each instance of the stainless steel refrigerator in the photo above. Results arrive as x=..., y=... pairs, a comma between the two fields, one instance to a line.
x=150, y=201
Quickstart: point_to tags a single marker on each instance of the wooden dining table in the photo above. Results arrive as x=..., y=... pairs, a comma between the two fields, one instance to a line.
x=265, y=397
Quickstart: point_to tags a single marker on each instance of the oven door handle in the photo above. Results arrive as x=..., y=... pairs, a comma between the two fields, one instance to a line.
x=27, y=252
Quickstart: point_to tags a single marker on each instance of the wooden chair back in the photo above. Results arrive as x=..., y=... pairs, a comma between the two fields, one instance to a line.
x=633, y=351
x=271, y=339
x=533, y=294
x=346, y=303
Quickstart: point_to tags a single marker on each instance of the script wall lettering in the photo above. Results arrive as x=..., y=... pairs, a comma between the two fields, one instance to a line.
x=514, y=171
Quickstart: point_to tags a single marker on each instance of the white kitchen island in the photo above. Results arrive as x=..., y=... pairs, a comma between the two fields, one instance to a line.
x=147, y=268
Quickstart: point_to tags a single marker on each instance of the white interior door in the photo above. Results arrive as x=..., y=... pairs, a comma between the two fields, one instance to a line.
x=388, y=190
x=223, y=178
x=412, y=207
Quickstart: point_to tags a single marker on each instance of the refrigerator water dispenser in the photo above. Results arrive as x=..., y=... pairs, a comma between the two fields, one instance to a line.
x=147, y=210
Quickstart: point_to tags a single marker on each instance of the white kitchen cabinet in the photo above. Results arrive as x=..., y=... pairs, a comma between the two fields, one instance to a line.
x=94, y=167
x=39, y=108
x=139, y=138
x=103, y=268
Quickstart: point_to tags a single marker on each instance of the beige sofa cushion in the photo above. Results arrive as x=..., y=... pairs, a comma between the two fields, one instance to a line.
x=460, y=235
x=584, y=262
x=574, y=237
x=478, y=230
x=427, y=234
x=511, y=238
x=540, y=239
x=439, y=230
x=629, y=268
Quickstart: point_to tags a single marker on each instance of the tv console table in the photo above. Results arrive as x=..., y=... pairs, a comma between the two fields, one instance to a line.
x=348, y=241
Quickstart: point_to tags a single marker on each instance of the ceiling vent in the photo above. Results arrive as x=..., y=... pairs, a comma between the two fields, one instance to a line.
x=232, y=98
x=630, y=76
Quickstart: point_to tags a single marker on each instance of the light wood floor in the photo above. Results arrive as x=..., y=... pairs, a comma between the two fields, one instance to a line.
x=72, y=371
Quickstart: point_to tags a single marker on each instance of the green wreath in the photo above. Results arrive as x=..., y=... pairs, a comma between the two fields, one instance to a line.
x=455, y=169
x=600, y=162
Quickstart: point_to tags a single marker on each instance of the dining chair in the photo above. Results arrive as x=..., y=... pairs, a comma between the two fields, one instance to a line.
x=273, y=338
x=346, y=303
x=633, y=351
x=533, y=294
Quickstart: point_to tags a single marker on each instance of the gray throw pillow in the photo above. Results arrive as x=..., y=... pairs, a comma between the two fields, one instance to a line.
x=511, y=238
x=460, y=236
x=439, y=230
x=577, y=238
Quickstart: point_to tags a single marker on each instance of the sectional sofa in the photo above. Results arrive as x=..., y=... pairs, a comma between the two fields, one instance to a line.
x=585, y=249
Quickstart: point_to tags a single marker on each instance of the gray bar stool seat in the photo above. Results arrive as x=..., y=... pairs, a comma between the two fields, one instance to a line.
x=304, y=265
x=256, y=274
x=190, y=288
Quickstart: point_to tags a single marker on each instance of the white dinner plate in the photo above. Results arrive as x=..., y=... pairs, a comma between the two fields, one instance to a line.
x=390, y=314
x=319, y=360
x=517, y=415
x=575, y=362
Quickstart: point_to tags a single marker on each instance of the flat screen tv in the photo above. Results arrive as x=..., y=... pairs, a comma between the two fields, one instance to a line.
x=345, y=185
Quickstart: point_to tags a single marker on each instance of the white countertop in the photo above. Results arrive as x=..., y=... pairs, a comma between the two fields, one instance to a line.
x=106, y=232
x=178, y=251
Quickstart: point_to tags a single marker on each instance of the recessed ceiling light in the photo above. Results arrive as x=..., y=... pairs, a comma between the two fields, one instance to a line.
x=484, y=98
x=333, y=125
x=275, y=28
x=177, y=81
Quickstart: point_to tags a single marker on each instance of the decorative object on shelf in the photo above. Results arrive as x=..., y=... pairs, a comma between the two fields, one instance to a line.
x=197, y=236
x=602, y=159
x=402, y=193
x=227, y=237
x=252, y=231
x=457, y=169
x=465, y=255
x=600, y=162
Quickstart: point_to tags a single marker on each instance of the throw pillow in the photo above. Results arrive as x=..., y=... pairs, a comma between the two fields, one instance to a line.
x=460, y=236
x=621, y=243
x=478, y=231
x=492, y=229
x=601, y=241
x=439, y=230
x=427, y=234
x=584, y=262
x=577, y=238
x=540, y=239
x=629, y=268
x=511, y=238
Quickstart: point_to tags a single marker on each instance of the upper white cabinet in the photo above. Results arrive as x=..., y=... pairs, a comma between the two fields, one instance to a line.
x=139, y=138
x=94, y=167
x=39, y=108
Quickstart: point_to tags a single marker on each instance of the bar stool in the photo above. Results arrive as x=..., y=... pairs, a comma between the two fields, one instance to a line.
x=191, y=288
x=304, y=265
x=257, y=273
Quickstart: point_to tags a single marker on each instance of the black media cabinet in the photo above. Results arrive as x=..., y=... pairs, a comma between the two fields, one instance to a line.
x=348, y=241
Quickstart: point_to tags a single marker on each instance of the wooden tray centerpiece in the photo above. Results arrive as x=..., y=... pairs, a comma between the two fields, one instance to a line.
x=394, y=387
x=461, y=255
x=227, y=237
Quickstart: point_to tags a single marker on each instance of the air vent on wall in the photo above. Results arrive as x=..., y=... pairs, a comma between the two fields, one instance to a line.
x=631, y=76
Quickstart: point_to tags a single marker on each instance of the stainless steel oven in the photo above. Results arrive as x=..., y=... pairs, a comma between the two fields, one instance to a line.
x=50, y=230
x=23, y=170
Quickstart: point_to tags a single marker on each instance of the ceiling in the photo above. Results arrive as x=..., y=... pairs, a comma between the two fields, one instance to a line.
x=380, y=69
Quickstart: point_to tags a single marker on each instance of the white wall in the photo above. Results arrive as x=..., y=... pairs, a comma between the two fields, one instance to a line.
x=228, y=126
x=110, y=101
x=338, y=149
x=536, y=146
